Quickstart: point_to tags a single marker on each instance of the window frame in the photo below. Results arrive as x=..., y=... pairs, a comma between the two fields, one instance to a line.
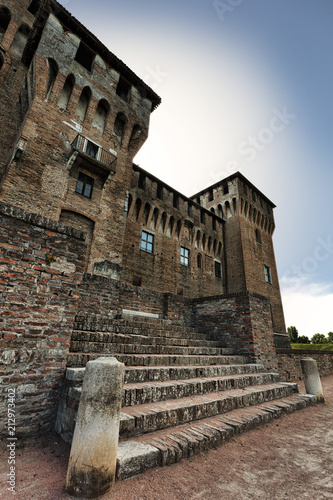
x=83, y=178
x=184, y=256
x=218, y=269
x=147, y=242
x=268, y=274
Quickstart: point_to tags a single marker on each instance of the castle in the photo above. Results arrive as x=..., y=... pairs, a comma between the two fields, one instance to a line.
x=73, y=118
x=98, y=256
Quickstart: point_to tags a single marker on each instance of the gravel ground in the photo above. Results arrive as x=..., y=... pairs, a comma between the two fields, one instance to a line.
x=289, y=458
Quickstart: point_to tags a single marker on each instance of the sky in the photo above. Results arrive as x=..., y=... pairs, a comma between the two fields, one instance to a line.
x=246, y=85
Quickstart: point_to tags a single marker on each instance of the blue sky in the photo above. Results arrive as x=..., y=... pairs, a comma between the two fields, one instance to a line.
x=224, y=70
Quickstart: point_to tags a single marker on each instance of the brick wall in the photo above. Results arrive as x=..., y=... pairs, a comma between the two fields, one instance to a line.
x=289, y=361
x=243, y=321
x=41, y=263
x=106, y=298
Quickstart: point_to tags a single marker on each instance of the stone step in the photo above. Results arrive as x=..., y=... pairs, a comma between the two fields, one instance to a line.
x=80, y=359
x=164, y=373
x=116, y=348
x=172, y=445
x=141, y=419
x=121, y=338
x=132, y=329
x=152, y=392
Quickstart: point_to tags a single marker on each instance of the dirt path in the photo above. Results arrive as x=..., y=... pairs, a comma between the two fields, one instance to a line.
x=290, y=458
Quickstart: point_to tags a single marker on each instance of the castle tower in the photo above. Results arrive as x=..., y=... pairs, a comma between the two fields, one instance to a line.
x=81, y=117
x=248, y=230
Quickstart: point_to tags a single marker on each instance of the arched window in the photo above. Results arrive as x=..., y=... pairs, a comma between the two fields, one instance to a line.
x=199, y=261
x=83, y=104
x=33, y=7
x=197, y=240
x=212, y=210
x=178, y=229
x=128, y=204
x=119, y=127
x=163, y=223
x=153, y=223
x=135, y=137
x=20, y=39
x=146, y=213
x=137, y=209
x=66, y=92
x=53, y=72
x=234, y=205
x=220, y=211
x=170, y=227
x=203, y=243
x=101, y=114
x=5, y=18
x=209, y=248
x=227, y=209
x=258, y=237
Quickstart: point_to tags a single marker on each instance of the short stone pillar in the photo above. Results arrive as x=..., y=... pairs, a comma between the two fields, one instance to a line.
x=93, y=458
x=311, y=378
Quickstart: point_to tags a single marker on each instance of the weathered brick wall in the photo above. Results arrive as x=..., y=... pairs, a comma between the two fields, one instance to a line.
x=243, y=321
x=290, y=363
x=41, y=264
x=106, y=298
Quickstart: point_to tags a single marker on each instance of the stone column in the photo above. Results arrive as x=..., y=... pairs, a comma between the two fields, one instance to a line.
x=311, y=378
x=93, y=459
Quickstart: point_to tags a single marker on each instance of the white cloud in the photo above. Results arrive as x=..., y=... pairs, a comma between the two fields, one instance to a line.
x=307, y=305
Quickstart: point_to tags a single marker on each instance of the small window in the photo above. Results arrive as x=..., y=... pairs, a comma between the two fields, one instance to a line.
x=258, y=237
x=33, y=7
x=85, y=56
x=184, y=256
x=175, y=200
x=159, y=192
x=198, y=200
x=268, y=276
x=84, y=185
x=202, y=217
x=199, y=261
x=225, y=188
x=214, y=223
x=142, y=181
x=147, y=242
x=123, y=89
x=137, y=280
x=211, y=195
x=190, y=210
x=218, y=269
x=254, y=196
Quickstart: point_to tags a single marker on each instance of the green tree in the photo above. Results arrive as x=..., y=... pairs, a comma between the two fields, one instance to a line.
x=293, y=334
x=318, y=338
x=303, y=339
x=330, y=336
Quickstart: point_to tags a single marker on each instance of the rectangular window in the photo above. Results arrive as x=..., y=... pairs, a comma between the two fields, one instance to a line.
x=184, y=256
x=218, y=269
x=84, y=185
x=211, y=195
x=85, y=56
x=147, y=242
x=268, y=276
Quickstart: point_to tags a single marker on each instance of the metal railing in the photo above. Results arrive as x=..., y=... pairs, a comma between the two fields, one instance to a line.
x=88, y=147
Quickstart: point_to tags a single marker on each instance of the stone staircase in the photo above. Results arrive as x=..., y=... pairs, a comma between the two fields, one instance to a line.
x=184, y=391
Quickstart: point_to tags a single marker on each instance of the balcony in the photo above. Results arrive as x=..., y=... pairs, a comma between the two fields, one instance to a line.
x=91, y=156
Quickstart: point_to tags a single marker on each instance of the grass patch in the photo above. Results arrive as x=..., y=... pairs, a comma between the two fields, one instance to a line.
x=313, y=347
